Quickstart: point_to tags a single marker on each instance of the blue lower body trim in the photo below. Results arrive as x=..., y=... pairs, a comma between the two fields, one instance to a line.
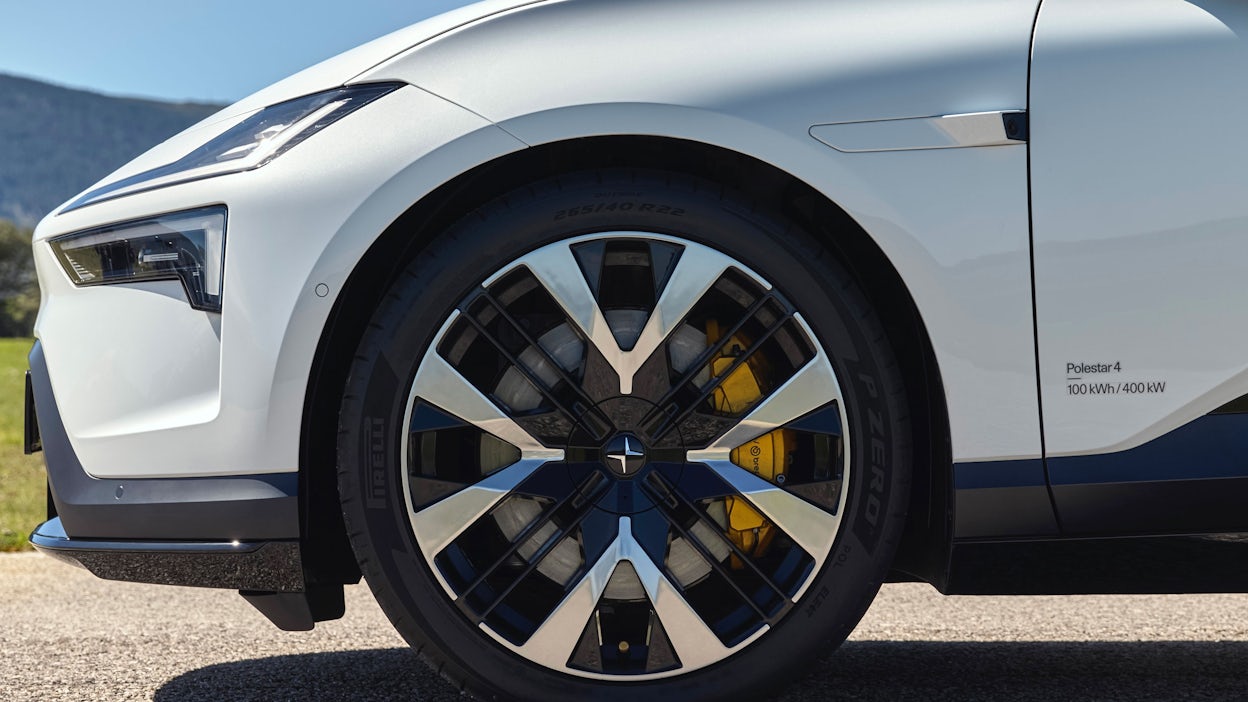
x=1191, y=480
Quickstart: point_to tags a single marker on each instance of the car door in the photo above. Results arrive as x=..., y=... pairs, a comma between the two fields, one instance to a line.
x=1139, y=185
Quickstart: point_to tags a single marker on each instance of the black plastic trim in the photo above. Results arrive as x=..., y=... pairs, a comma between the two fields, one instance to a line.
x=250, y=508
x=269, y=565
x=31, y=442
x=1193, y=480
x=299, y=611
x=1002, y=499
x=1015, y=124
x=1237, y=406
x=1147, y=565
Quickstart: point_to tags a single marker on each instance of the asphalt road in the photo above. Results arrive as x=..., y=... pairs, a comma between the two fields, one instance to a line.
x=65, y=635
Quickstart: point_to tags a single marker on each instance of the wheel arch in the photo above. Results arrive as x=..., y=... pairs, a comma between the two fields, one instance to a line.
x=923, y=553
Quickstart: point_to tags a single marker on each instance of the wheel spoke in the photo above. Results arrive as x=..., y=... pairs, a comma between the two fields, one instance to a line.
x=590, y=487
x=556, y=268
x=438, y=383
x=812, y=528
x=664, y=490
x=554, y=640
x=709, y=389
x=538, y=383
x=694, y=642
x=698, y=364
x=437, y=525
x=810, y=388
x=696, y=271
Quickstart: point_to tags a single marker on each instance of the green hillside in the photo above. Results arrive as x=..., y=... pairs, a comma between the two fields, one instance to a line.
x=56, y=141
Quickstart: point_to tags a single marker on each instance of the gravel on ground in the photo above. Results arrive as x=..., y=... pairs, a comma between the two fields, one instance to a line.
x=66, y=635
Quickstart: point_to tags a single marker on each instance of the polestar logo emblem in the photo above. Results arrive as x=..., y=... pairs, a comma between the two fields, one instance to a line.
x=625, y=455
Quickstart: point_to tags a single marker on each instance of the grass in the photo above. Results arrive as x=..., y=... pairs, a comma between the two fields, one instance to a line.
x=22, y=482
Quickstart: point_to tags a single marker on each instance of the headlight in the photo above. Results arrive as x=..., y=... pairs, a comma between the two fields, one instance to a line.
x=186, y=246
x=251, y=143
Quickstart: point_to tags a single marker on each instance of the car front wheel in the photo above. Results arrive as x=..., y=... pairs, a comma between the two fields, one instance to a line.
x=620, y=434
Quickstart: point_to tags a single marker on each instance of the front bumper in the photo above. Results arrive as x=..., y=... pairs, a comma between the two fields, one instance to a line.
x=236, y=533
x=225, y=509
x=172, y=435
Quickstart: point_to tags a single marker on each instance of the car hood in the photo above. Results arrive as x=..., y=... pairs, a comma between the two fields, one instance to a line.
x=340, y=69
x=333, y=72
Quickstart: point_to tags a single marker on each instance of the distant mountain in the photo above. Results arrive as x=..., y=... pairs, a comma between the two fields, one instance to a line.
x=56, y=141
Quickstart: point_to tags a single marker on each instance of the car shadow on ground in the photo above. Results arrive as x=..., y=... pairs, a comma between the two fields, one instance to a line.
x=860, y=670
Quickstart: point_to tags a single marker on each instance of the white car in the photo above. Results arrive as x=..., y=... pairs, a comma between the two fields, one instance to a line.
x=625, y=347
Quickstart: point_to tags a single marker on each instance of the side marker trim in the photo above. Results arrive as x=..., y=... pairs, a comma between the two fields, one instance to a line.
x=959, y=131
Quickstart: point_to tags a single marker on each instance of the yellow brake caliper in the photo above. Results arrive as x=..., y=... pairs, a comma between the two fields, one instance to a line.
x=767, y=456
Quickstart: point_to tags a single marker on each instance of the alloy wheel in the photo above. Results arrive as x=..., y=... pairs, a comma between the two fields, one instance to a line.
x=625, y=456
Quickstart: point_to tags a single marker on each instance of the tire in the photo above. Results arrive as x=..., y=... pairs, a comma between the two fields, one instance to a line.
x=507, y=539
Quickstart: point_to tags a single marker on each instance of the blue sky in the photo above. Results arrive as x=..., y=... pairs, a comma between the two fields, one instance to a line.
x=205, y=50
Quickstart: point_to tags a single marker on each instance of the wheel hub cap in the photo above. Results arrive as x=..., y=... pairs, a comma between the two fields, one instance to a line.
x=625, y=456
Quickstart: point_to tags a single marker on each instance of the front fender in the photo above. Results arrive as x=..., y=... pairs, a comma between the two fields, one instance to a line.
x=754, y=78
